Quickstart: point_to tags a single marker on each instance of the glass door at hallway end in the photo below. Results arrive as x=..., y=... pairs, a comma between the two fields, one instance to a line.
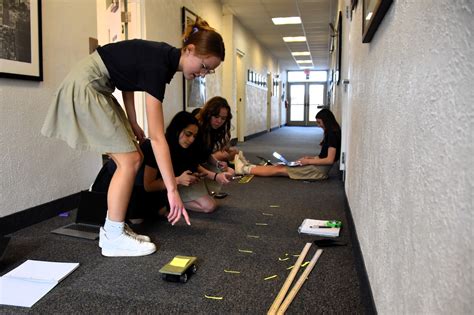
x=305, y=101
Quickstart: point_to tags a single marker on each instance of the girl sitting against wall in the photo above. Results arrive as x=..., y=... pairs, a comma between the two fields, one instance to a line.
x=312, y=167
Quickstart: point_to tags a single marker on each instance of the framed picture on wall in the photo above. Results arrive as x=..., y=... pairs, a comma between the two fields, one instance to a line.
x=20, y=45
x=373, y=11
x=194, y=91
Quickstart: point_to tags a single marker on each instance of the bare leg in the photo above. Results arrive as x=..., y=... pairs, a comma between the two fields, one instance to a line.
x=204, y=204
x=269, y=170
x=121, y=185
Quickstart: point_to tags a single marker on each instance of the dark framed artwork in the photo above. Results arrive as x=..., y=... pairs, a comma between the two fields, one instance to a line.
x=20, y=44
x=373, y=11
x=194, y=91
x=337, y=70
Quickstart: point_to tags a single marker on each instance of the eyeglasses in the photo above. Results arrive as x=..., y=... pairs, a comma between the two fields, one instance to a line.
x=205, y=69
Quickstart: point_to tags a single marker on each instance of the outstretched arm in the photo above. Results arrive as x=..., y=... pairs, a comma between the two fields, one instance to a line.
x=151, y=183
x=328, y=160
x=161, y=151
x=222, y=177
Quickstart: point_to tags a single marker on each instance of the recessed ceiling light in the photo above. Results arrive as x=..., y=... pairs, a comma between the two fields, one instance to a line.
x=301, y=53
x=295, y=39
x=286, y=20
x=304, y=61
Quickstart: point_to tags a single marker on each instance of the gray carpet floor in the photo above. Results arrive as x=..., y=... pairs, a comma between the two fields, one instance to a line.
x=133, y=285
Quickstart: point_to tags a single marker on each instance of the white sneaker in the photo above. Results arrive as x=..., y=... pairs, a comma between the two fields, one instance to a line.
x=238, y=165
x=242, y=158
x=124, y=246
x=128, y=230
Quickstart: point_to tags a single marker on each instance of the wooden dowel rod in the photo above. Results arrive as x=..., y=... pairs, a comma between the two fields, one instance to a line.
x=281, y=295
x=289, y=298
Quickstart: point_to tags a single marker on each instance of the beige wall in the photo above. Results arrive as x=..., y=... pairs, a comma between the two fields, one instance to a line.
x=407, y=119
x=261, y=61
x=35, y=169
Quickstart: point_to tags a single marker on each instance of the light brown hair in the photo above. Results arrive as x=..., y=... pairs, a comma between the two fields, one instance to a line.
x=206, y=40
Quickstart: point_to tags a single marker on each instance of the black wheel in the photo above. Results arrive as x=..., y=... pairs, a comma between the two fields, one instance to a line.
x=183, y=278
x=163, y=276
x=193, y=268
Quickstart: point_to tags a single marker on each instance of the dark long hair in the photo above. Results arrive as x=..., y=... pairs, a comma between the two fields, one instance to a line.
x=180, y=121
x=215, y=139
x=182, y=159
x=206, y=40
x=329, y=121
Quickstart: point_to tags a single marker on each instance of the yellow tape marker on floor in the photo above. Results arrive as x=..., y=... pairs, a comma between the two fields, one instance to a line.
x=231, y=271
x=269, y=214
x=271, y=277
x=253, y=236
x=245, y=251
x=262, y=224
x=305, y=264
x=214, y=297
x=274, y=206
x=245, y=179
x=283, y=259
x=289, y=268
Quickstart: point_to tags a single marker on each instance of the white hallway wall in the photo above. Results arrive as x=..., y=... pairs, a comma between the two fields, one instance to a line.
x=35, y=169
x=410, y=145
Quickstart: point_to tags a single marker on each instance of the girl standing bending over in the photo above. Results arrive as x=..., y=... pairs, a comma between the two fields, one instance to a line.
x=312, y=167
x=85, y=114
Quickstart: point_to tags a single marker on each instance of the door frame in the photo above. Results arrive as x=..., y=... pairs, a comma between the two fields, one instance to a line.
x=305, y=121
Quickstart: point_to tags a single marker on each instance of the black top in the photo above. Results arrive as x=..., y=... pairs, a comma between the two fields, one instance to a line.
x=331, y=139
x=201, y=150
x=182, y=159
x=141, y=65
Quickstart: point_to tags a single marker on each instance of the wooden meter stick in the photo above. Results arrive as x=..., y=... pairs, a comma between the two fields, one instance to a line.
x=299, y=283
x=281, y=295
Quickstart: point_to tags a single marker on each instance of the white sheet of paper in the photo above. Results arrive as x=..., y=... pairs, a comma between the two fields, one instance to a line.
x=29, y=282
x=24, y=293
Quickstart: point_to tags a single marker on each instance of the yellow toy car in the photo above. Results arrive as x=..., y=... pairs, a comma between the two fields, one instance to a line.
x=179, y=269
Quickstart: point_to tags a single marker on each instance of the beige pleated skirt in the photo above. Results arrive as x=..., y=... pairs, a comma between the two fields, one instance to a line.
x=193, y=192
x=86, y=115
x=309, y=172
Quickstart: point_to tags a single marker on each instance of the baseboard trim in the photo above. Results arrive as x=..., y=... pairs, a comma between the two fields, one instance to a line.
x=22, y=219
x=367, y=297
x=255, y=135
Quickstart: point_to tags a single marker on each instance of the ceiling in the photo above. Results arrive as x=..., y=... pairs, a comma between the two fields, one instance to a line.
x=256, y=17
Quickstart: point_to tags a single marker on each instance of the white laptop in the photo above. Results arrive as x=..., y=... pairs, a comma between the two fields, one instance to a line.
x=285, y=161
